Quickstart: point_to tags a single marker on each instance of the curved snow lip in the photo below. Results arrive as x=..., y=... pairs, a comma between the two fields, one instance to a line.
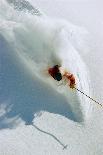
x=38, y=44
x=59, y=50
x=25, y=95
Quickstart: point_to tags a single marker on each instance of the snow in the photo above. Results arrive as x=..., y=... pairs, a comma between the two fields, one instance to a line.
x=29, y=140
x=36, y=117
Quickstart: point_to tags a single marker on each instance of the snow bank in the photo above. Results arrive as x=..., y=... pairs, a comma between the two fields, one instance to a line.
x=42, y=42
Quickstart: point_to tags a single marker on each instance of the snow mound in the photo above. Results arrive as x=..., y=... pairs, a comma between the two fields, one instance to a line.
x=40, y=43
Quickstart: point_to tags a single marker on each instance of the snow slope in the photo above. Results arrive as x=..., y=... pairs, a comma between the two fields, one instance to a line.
x=36, y=115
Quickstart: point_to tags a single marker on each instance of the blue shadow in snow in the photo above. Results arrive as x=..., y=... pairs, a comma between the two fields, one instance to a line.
x=26, y=95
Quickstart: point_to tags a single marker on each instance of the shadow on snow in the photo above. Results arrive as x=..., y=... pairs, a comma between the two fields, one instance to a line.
x=26, y=95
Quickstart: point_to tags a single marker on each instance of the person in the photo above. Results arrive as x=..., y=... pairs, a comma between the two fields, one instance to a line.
x=55, y=72
x=71, y=78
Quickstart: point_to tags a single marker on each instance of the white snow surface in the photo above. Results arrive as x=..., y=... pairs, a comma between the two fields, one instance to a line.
x=38, y=115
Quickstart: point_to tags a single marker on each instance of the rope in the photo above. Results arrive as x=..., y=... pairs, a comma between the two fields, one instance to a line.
x=89, y=97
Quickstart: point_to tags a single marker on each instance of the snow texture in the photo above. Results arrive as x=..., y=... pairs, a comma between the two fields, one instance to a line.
x=37, y=114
